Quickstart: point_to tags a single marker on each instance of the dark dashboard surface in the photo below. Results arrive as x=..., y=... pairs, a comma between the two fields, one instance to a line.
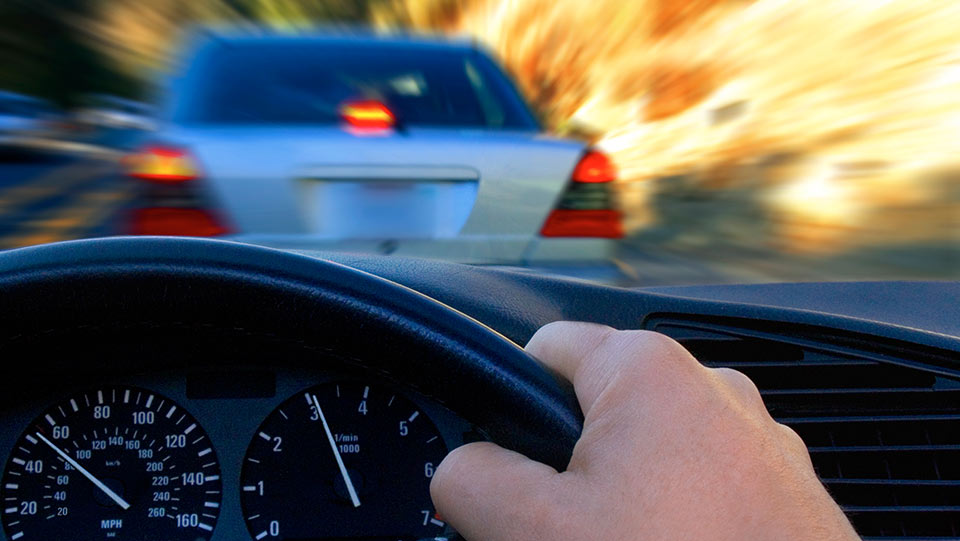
x=517, y=303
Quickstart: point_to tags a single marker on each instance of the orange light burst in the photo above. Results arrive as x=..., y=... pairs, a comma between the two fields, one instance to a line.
x=681, y=87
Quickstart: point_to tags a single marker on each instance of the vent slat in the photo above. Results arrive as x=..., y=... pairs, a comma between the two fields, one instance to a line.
x=885, y=449
x=901, y=509
x=870, y=419
x=888, y=538
x=922, y=391
x=891, y=482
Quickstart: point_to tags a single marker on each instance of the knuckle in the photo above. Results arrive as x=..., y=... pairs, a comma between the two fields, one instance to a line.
x=744, y=386
x=792, y=439
x=656, y=350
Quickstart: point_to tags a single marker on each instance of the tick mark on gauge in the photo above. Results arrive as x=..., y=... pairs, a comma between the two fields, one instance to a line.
x=261, y=535
x=99, y=397
x=170, y=413
x=50, y=420
x=414, y=416
x=265, y=436
x=189, y=429
x=73, y=404
x=250, y=488
x=126, y=396
x=19, y=461
x=255, y=461
x=366, y=391
x=149, y=401
x=431, y=439
x=205, y=452
x=282, y=413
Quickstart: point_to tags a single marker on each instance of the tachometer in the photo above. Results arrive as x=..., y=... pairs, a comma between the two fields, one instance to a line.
x=117, y=463
x=343, y=460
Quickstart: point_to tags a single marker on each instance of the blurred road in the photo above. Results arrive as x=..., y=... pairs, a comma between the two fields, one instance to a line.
x=48, y=199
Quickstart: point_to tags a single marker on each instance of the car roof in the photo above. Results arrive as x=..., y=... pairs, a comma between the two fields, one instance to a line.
x=335, y=37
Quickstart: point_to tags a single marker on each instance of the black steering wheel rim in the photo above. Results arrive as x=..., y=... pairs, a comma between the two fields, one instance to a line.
x=120, y=283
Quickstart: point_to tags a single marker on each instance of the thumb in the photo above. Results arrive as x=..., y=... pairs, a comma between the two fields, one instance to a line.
x=491, y=494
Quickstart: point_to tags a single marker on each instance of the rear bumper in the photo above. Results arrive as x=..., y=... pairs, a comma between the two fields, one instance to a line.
x=569, y=250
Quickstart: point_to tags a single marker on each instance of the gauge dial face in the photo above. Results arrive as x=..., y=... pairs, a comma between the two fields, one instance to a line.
x=343, y=460
x=115, y=463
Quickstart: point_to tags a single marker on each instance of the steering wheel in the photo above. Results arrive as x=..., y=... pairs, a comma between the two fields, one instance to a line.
x=161, y=300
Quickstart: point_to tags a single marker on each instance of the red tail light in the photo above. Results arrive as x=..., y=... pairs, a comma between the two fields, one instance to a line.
x=586, y=207
x=183, y=222
x=583, y=223
x=594, y=166
x=162, y=164
x=367, y=115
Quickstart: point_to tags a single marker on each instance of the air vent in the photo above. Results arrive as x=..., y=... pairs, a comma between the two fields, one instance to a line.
x=884, y=433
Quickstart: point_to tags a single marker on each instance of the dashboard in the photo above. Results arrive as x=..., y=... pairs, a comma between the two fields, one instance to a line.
x=212, y=453
x=197, y=390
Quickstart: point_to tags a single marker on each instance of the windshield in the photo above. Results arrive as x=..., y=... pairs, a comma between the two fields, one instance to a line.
x=293, y=82
x=634, y=143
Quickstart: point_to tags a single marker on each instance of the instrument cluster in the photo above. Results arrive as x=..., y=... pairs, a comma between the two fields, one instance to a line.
x=203, y=456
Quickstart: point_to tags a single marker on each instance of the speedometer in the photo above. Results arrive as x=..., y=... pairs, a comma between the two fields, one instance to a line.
x=343, y=460
x=115, y=463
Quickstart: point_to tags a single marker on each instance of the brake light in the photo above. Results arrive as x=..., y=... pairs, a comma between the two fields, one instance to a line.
x=583, y=223
x=181, y=222
x=162, y=164
x=594, y=167
x=587, y=207
x=367, y=115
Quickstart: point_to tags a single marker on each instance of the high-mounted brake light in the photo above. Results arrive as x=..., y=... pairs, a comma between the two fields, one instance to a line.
x=594, y=167
x=367, y=115
x=162, y=164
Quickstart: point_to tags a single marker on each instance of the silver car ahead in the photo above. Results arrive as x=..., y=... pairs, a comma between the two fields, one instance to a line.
x=401, y=145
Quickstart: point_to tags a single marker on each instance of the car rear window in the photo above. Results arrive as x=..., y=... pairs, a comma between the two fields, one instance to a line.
x=306, y=83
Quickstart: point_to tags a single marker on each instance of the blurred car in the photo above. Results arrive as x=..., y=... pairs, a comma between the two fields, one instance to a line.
x=404, y=145
x=24, y=120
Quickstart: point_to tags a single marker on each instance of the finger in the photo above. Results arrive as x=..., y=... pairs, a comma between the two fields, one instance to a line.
x=594, y=357
x=489, y=493
x=563, y=345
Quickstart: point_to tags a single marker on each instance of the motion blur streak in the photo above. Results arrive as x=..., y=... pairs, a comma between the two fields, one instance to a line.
x=842, y=117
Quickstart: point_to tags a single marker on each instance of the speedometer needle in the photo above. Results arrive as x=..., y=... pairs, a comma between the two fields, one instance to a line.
x=106, y=490
x=336, y=454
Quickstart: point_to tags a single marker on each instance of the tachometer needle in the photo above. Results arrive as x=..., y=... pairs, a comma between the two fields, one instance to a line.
x=336, y=454
x=106, y=490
